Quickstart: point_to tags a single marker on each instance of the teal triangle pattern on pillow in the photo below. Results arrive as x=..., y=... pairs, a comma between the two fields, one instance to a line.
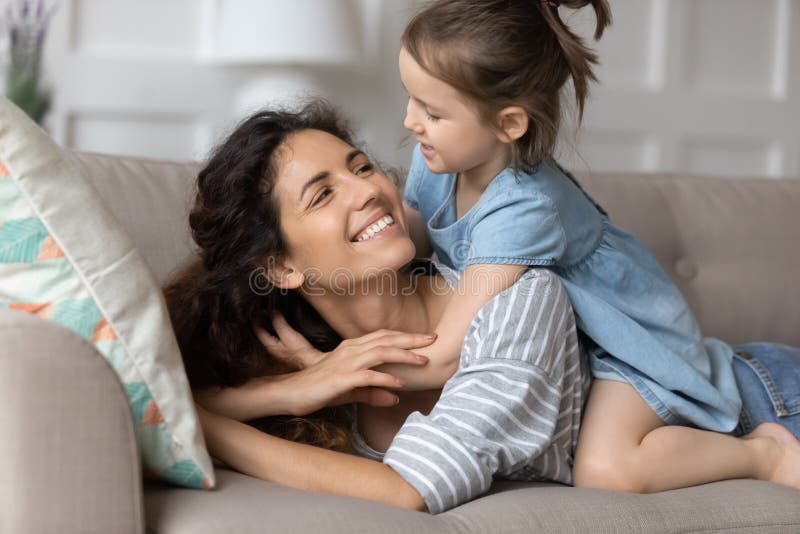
x=64, y=259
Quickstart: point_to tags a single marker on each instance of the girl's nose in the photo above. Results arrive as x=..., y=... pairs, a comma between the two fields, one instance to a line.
x=410, y=122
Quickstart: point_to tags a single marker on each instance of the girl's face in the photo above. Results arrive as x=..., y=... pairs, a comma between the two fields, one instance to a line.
x=453, y=137
x=342, y=219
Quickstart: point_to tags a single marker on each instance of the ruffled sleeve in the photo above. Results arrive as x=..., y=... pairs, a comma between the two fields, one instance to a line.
x=516, y=227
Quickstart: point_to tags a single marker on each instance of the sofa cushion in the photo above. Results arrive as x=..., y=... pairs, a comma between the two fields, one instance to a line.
x=64, y=257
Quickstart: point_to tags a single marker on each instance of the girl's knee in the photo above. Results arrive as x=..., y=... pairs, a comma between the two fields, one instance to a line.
x=610, y=473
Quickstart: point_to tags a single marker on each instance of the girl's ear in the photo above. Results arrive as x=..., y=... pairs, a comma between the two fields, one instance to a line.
x=513, y=123
x=284, y=277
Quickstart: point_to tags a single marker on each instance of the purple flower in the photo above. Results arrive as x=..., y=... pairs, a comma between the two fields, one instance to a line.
x=25, y=25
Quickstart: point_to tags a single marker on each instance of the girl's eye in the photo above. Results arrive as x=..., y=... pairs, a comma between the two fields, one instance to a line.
x=432, y=118
x=321, y=196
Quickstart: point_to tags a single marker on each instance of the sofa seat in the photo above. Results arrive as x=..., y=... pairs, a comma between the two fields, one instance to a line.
x=247, y=505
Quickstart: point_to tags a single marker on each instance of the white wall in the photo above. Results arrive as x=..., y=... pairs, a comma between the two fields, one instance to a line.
x=709, y=86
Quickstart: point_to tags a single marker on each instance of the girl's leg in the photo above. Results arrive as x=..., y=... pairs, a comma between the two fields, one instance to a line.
x=623, y=445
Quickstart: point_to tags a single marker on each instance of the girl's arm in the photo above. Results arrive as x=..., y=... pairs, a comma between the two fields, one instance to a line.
x=477, y=286
x=416, y=230
x=303, y=466
x=341, y=376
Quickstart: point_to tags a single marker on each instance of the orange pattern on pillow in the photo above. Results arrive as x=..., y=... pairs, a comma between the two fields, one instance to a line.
x=103, y=331
x=152, y=416
x=50, y=250
x=42, y=309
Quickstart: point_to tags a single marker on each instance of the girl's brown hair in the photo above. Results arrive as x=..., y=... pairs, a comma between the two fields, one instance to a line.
x=215, y=301
x=499, y=53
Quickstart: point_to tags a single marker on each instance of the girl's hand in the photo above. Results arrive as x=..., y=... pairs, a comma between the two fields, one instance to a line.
x=343, y=375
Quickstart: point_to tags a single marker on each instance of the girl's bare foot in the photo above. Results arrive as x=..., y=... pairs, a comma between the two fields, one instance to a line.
x=785, y=468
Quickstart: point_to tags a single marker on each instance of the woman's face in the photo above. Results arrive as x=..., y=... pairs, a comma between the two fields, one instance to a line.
x=342, y=219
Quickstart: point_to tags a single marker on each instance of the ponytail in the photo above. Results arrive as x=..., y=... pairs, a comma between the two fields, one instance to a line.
x=577, y=55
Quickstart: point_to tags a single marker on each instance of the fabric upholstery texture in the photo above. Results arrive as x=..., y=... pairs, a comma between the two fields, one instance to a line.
x=247, y=505
x=64, y=258
x=150, y=200
x=729, y=244
x=62, y=405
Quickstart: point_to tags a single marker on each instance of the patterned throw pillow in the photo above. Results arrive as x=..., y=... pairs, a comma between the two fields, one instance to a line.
x=64, y=258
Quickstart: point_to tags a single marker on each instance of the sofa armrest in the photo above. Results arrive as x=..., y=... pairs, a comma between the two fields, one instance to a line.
x=68, y=455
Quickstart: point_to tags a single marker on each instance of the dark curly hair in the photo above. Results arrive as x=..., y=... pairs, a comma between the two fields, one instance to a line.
x=212, y=302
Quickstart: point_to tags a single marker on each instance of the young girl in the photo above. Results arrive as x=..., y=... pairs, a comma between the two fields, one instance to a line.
x=484, y=81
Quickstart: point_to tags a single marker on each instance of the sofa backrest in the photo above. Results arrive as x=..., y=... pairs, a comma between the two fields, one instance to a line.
x=151, y=199
x=731, y=245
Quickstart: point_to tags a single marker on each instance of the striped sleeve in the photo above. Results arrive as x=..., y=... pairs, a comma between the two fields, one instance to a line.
x=500, y=410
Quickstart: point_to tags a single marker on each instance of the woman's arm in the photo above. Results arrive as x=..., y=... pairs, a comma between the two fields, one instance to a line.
x=303, y=466
x=341, y=376
x=477, y=286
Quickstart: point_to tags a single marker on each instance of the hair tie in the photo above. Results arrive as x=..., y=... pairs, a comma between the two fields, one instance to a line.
x=550, y=3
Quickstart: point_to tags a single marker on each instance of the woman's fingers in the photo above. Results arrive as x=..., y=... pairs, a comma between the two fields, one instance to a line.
x=402, y=340
x=273, y=345
x=374, y=397
x=302, y=353
x=380, y=355
x=370, y=377
x=290, y=337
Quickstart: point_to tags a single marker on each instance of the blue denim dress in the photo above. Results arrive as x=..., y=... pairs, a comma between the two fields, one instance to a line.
x=639, y=328
x=768, y=375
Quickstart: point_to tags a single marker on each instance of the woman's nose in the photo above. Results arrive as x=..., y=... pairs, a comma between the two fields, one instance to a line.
x=364, y=190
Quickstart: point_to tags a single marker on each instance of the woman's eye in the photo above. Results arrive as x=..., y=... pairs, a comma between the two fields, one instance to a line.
x=367, y=168
x=321, y=196
x=432, y=118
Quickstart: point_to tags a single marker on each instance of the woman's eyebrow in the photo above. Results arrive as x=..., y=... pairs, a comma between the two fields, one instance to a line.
x=317, y=177
x=353, y=154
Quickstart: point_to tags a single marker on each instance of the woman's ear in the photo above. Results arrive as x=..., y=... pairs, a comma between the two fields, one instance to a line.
x=513, y=123
x=283, y=276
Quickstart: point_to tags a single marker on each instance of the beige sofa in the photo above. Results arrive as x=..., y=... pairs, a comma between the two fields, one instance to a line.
x=68, y=459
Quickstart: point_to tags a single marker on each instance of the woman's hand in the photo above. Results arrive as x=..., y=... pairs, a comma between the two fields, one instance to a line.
x=343, y=375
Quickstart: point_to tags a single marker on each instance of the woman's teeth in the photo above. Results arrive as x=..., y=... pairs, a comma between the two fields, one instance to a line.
x=376, y=227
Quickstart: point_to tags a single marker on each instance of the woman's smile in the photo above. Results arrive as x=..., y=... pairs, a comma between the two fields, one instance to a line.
x=384, y=226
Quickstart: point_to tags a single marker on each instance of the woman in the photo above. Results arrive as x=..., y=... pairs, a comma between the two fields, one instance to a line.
x=292, y=219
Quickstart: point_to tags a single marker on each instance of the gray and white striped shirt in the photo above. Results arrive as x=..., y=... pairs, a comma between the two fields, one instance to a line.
x=512, y=409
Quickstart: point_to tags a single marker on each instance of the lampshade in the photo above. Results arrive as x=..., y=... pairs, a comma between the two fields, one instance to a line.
x=293, y=32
